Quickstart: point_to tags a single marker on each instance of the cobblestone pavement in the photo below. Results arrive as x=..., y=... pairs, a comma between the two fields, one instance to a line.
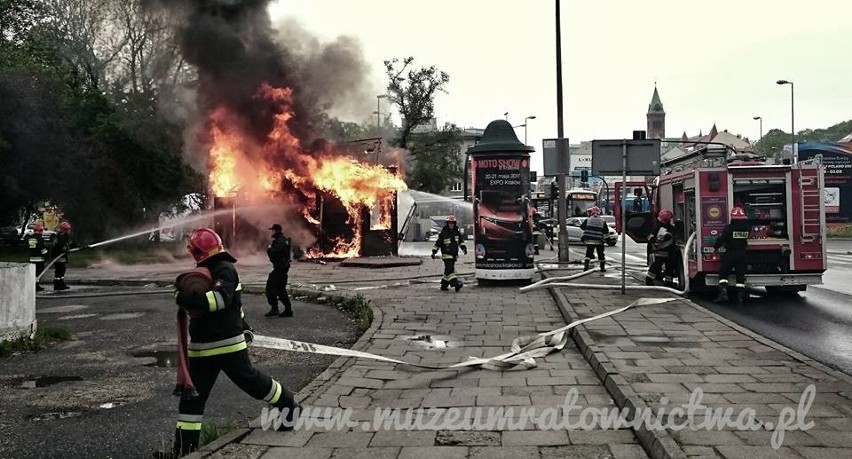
x=649, y=357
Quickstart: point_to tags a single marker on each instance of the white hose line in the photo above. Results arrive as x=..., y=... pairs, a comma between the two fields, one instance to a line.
x=561, y=281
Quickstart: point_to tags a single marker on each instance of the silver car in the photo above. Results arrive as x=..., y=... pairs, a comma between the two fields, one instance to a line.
x=575, y=234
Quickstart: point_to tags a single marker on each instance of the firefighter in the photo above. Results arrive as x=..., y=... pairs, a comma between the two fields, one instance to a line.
x=278, y=252
x=734, y=239
x=217, y=343
x=594, y=230
x=665, y=250
x=38, y=251
x=60, y=249
x=450, y=241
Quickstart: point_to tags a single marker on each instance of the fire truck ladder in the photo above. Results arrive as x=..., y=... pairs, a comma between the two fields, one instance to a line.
x=811, y=206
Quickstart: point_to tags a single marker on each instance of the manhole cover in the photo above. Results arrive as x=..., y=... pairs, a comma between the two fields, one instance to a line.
x=430, y=341
x=44, y=381
x=162, y=358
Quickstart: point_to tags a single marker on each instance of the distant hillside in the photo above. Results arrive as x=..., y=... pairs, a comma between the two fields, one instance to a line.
x=773, y=141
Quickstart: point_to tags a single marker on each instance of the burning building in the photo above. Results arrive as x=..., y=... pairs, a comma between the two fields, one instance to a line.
x=258, y=111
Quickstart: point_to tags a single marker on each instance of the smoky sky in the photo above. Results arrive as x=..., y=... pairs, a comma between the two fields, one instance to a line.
x=235, y=48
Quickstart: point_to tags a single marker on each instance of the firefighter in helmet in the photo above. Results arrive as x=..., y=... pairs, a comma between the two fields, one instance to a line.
x=218, y=343
x=734, y=239
x=38, y=251
x=60, y=249
x=449, y=242
x=665, y=250
x=278, y=251
x=594, y=230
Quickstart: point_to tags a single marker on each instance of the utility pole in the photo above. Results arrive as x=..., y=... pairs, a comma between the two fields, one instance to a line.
x=561, y=154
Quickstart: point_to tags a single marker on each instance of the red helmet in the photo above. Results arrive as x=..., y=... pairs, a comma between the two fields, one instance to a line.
x=204, y=243
x=665, y=216
x=737, y=213
x=594, y=210
x=451, y=219
x=38, y=228
x=64, y=227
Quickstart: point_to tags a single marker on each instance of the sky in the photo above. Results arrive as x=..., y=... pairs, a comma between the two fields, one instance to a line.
x=713, y=62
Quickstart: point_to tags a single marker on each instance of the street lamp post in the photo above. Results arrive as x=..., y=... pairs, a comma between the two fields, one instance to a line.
x=792, y=116
x=761, y=126
x=531, y=117
x=561, y=154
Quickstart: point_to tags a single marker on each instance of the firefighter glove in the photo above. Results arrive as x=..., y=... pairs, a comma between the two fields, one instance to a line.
x=434, y=252
x=463, y=249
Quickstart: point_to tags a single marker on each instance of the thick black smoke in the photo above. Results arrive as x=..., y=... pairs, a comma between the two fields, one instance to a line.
x=235, y=49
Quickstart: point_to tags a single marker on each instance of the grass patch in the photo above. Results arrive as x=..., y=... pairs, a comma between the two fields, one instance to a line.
x=210, y=431
x=839, y=231
x=44, y=337
x=357, y=307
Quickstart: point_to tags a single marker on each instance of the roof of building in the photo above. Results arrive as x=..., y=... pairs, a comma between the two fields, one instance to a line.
x=656, y=105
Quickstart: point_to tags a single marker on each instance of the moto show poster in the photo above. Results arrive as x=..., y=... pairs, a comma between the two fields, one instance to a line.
x=503, y=236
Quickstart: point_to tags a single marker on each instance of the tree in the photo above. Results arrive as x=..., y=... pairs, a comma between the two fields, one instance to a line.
x=436, y=160
x=774, y=141
x=413, y=93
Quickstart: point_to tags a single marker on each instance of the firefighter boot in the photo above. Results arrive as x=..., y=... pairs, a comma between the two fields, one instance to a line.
x=603, y=266
x=740, y=295
x=273, y=311
x=288, y=311
x=586, y=262
x=649, y=279
x=59, y=284
x=458, y=285
x=723, y=294
x=445, y=286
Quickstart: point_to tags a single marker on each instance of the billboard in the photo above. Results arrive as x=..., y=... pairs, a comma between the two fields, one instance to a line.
x=837, y=193
x=503, y=239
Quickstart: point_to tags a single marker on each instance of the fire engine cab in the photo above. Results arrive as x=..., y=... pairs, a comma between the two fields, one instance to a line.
x=783, y=203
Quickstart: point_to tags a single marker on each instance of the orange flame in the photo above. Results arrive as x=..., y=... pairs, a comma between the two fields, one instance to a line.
x=236, y=163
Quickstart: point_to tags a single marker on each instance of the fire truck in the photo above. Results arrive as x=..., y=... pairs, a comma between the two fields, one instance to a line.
x=783, y=203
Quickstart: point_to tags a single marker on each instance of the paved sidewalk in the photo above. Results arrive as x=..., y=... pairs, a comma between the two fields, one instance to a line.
x=657, y=356
x=653, y=356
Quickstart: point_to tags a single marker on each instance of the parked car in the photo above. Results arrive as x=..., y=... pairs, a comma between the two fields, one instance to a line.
x=48, y=235
x=575, y=234
x=610, y=221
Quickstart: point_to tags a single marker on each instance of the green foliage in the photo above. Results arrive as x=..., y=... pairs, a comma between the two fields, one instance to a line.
x=435, y=160
x=357, y=307
x=773, y=141
x=44, y=337
x=210, y=431
x=413, y=93
x=839, y=231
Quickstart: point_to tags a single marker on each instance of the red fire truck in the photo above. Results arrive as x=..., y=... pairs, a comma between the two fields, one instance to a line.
x=784, y=204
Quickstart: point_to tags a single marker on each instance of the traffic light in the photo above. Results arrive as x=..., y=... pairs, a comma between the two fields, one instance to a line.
x=554, y=190
x=584, y=176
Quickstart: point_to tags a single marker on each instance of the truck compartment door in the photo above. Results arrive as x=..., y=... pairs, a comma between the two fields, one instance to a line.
x=639, y=215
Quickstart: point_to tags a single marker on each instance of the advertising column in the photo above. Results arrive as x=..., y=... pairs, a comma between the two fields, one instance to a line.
x=503, y=237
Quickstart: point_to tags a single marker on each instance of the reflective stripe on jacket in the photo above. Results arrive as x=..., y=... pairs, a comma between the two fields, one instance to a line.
x=594, y=229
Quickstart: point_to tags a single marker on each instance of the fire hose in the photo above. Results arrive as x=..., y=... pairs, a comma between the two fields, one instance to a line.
x=563, y=281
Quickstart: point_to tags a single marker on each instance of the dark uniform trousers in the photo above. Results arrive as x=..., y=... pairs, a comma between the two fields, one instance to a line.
x=238, y=368
x=733, y=260
x=276, y=287
x=449, y=278
x=595, y=246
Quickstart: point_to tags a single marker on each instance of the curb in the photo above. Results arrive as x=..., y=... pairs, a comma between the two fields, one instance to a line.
x=658, y=444
x=219, y=443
